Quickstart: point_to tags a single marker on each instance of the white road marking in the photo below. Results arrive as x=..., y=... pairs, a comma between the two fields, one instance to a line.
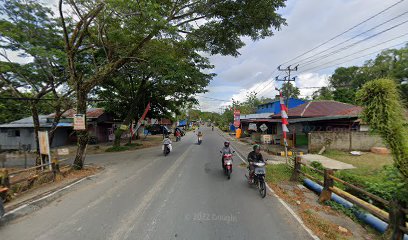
x=129, y=222
x=47, y=196
x=290, y=210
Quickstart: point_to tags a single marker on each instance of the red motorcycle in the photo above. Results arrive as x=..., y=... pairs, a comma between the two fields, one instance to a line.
x=227, y=158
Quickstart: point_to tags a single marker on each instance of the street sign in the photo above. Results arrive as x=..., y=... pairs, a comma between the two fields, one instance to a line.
x=79, y=122
x=263, y=127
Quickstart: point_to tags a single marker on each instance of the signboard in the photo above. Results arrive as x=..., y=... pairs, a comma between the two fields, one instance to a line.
x=63, y=151
x=123, y=127
x=252, y=126
x=263, y=127
x=237, y=122
x=44, y=143
x=79, y=122
x=44, y=147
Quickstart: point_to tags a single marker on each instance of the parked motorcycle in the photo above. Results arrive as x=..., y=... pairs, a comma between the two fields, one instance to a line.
x=228, y=165
x=259, y=177
x=178, y=138
x=166, y=149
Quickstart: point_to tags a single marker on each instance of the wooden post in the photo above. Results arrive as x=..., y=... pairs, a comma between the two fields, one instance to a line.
x=296, y=170
x=55, y=167
x=326, y=193
x=397, y=220
x=4, y=178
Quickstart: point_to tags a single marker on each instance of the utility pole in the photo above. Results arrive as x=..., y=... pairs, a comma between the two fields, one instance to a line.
x=287, y=79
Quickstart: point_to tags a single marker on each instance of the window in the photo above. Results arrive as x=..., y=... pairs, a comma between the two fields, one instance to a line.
x=14, y=133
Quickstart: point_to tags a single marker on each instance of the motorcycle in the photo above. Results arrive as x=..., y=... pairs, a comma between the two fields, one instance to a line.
x=259, y=177
x=200, y=139
x=166, y=149
x=178, y=138
x=227, y=165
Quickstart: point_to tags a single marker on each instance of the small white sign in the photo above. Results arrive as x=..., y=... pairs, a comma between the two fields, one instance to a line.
x=79, y=122
x=263, y=127
x=63, y=151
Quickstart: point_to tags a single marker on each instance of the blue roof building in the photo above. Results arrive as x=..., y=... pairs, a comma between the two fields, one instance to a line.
x=274, y=107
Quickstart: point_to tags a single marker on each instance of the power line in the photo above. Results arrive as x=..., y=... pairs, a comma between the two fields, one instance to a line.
x=215, y=99
x=347, y=40
x=354, y=58
x=363, y=40
x=376, y=45
x=348, y=30
x=43, y=99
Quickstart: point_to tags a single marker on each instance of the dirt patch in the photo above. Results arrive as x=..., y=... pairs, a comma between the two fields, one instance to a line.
x=45, y=179
x=324, y=221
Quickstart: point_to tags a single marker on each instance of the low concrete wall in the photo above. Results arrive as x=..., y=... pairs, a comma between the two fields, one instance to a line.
x=344, y=140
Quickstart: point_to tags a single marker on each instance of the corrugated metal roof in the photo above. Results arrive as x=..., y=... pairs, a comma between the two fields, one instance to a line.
x=27, y=123
x=255, y=116
x=323, y=108
x=90, y=113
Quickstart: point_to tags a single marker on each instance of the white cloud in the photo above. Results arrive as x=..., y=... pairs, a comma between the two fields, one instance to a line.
x=308, y=81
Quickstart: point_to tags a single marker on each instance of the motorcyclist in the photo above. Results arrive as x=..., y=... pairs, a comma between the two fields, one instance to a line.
x=178, y=134
x=212, y=127
x=167, y=141
x=200, y=135
x=225, y=150
x=254, y=156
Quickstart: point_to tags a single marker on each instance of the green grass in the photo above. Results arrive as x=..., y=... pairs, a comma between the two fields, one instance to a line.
x=117, y=149
x=133, y=145
x=278, y=173
x=365, y=164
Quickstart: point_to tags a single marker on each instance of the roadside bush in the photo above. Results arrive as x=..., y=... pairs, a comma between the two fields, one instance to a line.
x=317, y=165
x=117, y=149
x=387, y=183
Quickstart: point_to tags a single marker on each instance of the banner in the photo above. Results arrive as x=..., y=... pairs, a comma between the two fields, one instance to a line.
x=284, y=115
x=139, y=123
x=237, y=121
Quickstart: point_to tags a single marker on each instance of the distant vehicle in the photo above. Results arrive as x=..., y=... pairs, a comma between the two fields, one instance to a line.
x=158, y=129
x=179, y=130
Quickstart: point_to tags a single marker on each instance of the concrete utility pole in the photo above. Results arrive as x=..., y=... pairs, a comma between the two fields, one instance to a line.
x=287, y=79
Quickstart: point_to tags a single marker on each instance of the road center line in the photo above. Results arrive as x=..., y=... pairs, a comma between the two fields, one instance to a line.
x=129, y=223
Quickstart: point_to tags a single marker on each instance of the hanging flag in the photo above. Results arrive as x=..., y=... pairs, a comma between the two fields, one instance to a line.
x=139, y=123
x=284, y=115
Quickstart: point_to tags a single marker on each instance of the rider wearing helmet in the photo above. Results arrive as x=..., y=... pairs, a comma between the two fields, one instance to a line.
x=167, y=141
x=225, y=150
x=254, y=156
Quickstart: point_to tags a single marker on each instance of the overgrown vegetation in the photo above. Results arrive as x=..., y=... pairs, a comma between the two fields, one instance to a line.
x=276, y=173
x=117, y=149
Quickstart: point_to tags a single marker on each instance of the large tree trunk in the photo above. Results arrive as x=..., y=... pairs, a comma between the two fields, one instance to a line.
x=36, y=122
x=81, y=134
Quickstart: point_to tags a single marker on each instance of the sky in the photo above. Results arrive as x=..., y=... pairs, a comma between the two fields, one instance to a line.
x=310, y=23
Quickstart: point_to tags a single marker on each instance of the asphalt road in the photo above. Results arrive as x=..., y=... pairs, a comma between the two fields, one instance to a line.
x=144, y=195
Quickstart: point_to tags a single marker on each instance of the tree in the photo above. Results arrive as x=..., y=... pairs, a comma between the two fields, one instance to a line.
x=135, y=85
x=290, y=91
x=323, y=93
x=383, y=111
x=28, y=28
x=102, y=37
x=392, y=63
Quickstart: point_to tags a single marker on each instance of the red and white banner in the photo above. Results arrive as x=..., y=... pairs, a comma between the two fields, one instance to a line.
x=139, y=123
x=237, y=117
x=284, y=115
